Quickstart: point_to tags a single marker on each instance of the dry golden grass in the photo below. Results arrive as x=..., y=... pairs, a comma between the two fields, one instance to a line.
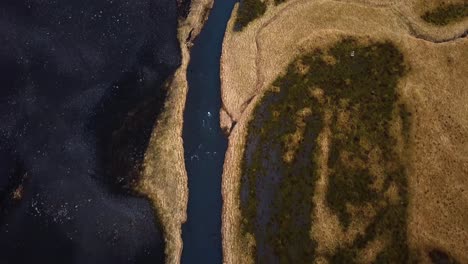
x=164, y=178
x=371, y=251
x=293, y=140
x=235, y=250
x=241, y=74
x=326, y=229
x=434, y=90
x=326, y=224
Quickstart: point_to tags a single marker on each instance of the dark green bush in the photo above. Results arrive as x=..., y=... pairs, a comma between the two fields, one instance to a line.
x=364, y=75
x=277, y=2
x=249, y=10
x=446, y=14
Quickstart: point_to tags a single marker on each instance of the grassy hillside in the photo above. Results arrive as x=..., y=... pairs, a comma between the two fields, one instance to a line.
x=350, y=90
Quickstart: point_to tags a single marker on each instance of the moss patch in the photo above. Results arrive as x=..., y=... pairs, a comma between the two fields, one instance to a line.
x=446, y=14
x=358, y=86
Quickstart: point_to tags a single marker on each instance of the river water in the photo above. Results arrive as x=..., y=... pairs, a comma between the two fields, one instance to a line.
x=204, y=142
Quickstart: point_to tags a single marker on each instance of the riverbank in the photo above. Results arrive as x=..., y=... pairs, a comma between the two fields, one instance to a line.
x=164, y=157
x=253, y=58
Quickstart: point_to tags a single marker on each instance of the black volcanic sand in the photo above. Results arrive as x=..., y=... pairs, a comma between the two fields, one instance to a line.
x=81, y=84
x=183, y=8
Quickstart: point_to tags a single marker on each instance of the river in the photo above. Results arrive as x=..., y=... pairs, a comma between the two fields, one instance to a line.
x=204, y=142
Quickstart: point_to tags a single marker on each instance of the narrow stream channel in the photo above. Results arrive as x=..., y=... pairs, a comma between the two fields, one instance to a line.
x=204, y=142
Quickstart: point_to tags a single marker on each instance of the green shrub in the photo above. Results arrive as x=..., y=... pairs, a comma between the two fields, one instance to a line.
x=248, y=11
x=277, y=2
x=366, y=76
x=446, y=14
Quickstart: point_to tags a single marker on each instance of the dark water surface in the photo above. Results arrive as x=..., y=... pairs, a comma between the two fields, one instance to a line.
x=204, y=142
x=80, y=88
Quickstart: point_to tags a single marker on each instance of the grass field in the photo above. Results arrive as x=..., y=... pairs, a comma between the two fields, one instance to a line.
x=427, y=131
x=283, y=141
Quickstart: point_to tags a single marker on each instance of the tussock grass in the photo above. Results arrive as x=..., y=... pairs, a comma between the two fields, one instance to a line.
x=164, y=178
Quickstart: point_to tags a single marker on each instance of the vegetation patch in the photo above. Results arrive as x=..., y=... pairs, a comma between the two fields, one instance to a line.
x=248, y=11
x=357, y=84
x=446, y=14
x=438, y=257
x=277, y=2
x=363, y=161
